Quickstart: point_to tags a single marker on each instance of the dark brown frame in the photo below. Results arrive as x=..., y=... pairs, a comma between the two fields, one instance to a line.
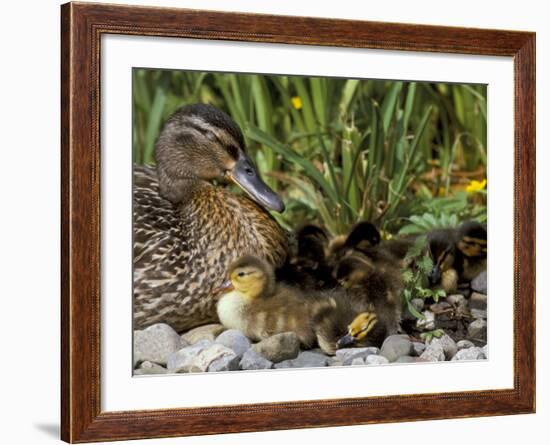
x=81, y=28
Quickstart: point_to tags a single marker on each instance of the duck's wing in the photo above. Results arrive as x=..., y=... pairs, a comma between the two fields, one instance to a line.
x=153, y=215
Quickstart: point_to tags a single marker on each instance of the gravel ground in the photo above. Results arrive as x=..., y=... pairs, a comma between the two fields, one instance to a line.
x=461, y=317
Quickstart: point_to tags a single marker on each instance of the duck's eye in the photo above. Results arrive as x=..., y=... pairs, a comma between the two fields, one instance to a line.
x=233, y=151
x=241, y=274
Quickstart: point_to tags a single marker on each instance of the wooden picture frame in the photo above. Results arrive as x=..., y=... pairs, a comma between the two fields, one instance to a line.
x=82, y=26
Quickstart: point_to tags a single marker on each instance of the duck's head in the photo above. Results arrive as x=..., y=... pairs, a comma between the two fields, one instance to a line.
x=362, y=236
x=201, y=143
x=442, y=250
x=358, y=329
x=472, y=240
x=353, y=270
x=250, y=276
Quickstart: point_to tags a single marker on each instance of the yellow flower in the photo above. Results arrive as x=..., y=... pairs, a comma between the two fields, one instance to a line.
x=476, y=186
x=296, y=102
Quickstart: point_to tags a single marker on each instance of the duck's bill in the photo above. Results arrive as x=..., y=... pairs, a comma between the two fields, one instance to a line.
x=245, y=175
x=345, y=341
x=435, y=275
x=225, y=287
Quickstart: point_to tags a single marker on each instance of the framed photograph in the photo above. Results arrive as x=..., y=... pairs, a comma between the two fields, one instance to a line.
x=275, y=222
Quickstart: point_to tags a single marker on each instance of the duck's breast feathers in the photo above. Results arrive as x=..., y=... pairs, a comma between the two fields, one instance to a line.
x=245, y=225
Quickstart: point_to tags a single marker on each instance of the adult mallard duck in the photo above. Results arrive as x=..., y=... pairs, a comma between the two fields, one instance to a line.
x=188, y=228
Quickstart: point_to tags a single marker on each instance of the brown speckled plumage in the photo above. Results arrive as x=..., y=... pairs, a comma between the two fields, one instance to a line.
x=182, y=250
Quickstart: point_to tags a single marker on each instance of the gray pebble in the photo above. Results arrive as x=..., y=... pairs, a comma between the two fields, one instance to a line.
x=396, y=346
x=434, y=353
x=464, y=344
x=448, y=345
x=279, y=347
x=206, y=332
x=474, y=353
x=479, y=283
x=456, y=300
x=357, y=361
x=418, y=347
x=234, y=340
x=376, y=360
x=225, y=363
x=347, y=355
x=197, y=357
x=440, y=307
x=406, y=359
x=477, y=330
x=306, y=359
x=156, y=343
x=251, y=360
x=478, y=313
x=427, y=323
x=418, y=304
x=478, y=301
x=333, y=361
x=150, y=368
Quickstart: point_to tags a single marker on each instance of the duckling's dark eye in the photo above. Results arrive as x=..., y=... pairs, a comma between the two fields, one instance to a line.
x=241, y=274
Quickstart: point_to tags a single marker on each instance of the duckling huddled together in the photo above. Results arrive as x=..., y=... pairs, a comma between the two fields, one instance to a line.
x=341, y=292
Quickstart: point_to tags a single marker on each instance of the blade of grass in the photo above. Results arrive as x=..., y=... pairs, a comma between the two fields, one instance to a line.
x=153, y=124
x=289, y=155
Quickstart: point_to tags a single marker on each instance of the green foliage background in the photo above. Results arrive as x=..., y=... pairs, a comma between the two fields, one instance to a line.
x=400, y=154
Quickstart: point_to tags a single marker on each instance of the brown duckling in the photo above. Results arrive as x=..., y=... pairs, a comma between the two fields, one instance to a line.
x=472, y=244
x=458, y=254
x=257, y=305
x=308, y=268
x=188, y=228
x=441, y=246
x=374, y=293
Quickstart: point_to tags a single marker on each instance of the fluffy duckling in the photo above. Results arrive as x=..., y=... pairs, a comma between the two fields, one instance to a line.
x=260, y=307
x=446, y=259
x=472, y=245
x=308, y=268
x=374, y=293
x=458, y=254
